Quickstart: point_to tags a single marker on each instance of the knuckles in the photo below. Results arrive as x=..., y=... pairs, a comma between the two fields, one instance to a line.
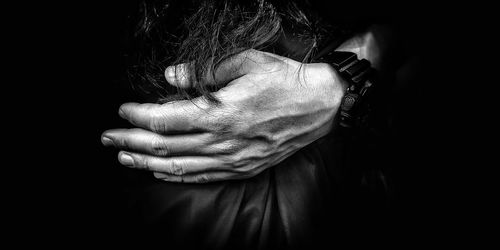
x=245, y=162
x=157, y=122
x=228, y=147
x=159, y=146
x=202, y=178
x=176, y=168
x=142, y=162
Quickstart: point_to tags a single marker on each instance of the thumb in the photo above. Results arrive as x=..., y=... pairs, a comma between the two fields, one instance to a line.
x=230, y=69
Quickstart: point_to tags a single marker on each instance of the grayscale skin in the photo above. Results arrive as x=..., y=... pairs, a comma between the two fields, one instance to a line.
x=271, y=107
x=275, y=123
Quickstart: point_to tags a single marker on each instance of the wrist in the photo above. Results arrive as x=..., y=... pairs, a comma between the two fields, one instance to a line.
x=330, y=85
x=360, y=77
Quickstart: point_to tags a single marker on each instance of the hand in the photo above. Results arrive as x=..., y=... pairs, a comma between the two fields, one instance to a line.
x=271, y=107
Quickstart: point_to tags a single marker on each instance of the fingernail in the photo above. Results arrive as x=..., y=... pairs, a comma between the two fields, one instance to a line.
x=106, y=141
x=160, y=176
x=170, y=73
x=126, y=159
x=121, y=113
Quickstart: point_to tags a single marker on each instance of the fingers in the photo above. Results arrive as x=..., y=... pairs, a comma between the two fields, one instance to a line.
x=238, y=65
x=204, y=177
x=198, y=178
x=178, y=116
x=140, y=140
x=177, y=166
x=178, y=75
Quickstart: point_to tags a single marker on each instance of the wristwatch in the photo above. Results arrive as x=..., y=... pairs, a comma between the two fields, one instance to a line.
x=360, y=77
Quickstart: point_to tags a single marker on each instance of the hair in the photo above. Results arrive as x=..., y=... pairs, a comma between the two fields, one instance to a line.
x=208, y=32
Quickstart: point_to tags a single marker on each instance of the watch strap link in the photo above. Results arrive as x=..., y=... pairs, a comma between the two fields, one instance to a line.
x=360, y=77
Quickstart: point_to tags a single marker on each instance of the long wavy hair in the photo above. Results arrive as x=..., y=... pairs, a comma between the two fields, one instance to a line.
x=206, y=33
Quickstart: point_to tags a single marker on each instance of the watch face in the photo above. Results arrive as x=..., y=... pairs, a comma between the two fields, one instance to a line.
x=349, y=101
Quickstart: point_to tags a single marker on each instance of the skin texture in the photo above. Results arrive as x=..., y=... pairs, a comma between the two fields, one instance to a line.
x=271, y=107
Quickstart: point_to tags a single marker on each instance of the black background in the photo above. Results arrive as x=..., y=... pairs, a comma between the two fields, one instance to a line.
x=71, y=185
